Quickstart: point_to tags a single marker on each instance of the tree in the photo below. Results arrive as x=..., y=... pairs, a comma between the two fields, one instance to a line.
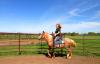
x=74, y=34
x=91, y=33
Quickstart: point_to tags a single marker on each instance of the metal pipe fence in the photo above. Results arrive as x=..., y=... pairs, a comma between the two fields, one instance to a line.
x=25, y=43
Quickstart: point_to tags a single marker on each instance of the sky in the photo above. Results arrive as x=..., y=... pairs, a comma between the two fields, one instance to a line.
x=34, y=16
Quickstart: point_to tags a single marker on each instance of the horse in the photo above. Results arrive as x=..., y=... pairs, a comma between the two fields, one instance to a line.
x=67, y=43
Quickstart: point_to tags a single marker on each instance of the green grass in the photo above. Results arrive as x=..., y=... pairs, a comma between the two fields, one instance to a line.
x=16, y=36
x=90, y=46
x=82, y=37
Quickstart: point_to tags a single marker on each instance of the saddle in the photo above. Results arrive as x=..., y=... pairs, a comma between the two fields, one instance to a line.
x=58, y=44
x=58, y=41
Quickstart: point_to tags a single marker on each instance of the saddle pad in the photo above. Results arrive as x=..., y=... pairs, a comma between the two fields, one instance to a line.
x=59, y=42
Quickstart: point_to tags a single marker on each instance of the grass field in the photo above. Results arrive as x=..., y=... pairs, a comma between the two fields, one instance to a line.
x=86, y=45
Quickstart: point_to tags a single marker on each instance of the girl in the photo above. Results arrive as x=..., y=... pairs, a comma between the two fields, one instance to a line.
x=58, y=36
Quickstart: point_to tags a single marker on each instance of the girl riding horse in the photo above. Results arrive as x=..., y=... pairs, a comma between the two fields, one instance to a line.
x=67, y=42
x=57, y=35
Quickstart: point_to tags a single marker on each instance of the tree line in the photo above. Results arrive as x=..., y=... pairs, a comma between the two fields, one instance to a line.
x=66, y=33
x=78, y=34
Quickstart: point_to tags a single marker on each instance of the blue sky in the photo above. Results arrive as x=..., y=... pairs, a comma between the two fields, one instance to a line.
x=34, y=16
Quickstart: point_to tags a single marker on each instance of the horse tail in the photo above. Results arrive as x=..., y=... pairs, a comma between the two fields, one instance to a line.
x=73, y=43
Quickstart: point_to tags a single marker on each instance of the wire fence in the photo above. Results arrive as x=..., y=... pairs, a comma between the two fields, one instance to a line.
x=28, y=44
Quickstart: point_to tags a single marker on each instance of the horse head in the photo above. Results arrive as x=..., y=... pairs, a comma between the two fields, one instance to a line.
x=43, y=35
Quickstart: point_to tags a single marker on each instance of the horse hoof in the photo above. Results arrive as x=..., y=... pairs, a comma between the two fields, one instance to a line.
x=53, y=57
x=69, y=57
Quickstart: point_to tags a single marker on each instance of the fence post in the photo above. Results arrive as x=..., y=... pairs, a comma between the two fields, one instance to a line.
x=83, y=46
x=63, y=36
x=41, y=45
x=19, y=44
x=53, y=51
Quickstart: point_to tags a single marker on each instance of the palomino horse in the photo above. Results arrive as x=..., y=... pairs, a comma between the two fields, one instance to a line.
x=68, y=44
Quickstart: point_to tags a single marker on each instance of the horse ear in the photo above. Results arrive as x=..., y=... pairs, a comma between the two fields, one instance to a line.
x=43, y=32
x=39, y=33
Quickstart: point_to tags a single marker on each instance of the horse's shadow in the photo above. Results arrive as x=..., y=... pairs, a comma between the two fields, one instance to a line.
x=56, y=54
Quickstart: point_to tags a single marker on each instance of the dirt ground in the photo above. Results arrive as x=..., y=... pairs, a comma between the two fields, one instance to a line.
x=16, y=42
x=42, y=59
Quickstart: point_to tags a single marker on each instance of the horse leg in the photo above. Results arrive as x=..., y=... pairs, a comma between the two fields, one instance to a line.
x=53, y=54
x=49, y=55
x=69, y=54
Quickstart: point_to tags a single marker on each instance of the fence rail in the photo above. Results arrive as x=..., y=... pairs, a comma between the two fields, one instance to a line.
x=25, y=43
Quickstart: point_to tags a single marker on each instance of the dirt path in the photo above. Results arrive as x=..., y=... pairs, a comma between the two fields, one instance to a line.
x=16, y=42
x=41, y=59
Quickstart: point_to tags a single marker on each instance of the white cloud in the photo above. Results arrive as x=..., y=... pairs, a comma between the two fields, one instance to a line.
x=97, y=15
x=82, y=26
x=74, y=12
x=91, y=24
x=88, y=8
x=50, y=27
